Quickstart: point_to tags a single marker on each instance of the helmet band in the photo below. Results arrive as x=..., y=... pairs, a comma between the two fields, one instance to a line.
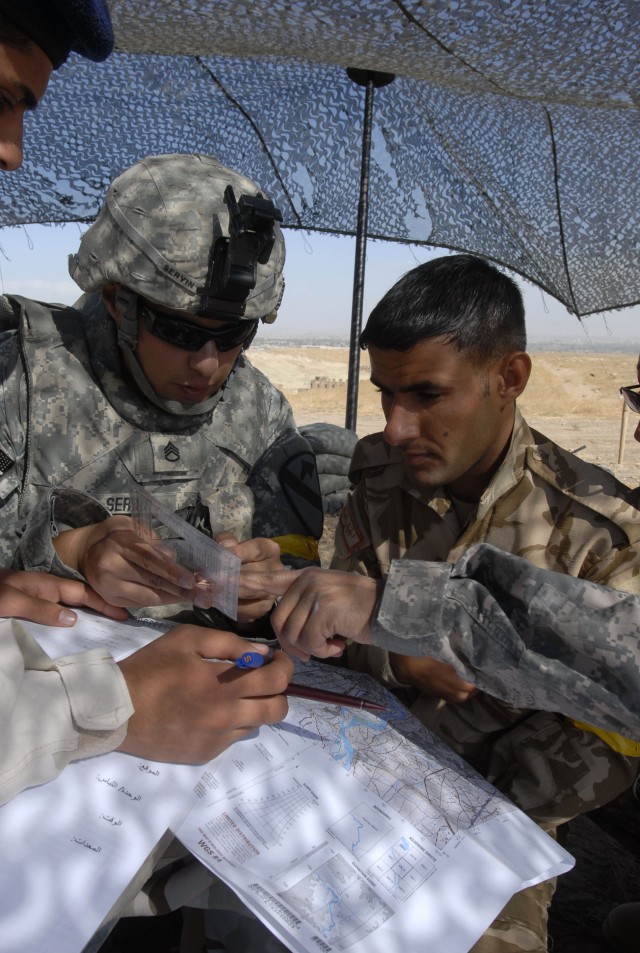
x=165, y=267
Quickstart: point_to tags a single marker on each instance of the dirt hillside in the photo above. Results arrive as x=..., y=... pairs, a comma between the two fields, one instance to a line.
x=571, y=396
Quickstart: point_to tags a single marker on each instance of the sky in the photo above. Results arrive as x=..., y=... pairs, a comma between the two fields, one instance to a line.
x=319, y=286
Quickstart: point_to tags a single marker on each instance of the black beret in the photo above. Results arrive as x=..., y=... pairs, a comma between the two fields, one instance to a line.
x=60, y=26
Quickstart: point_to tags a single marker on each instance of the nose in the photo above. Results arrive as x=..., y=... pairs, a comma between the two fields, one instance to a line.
x=205, y=361
x=11, y=130
x=402, y=426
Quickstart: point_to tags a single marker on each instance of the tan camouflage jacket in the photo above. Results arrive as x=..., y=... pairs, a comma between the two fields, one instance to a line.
x=544, y=504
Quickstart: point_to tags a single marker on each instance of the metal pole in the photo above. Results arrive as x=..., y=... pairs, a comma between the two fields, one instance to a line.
x=369, y=80
x=623, y=433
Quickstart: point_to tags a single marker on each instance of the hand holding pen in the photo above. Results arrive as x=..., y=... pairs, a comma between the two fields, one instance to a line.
x=185, y=711
x=253, y=659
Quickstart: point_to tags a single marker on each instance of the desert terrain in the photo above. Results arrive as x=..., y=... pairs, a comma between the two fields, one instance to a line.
x=572, y=397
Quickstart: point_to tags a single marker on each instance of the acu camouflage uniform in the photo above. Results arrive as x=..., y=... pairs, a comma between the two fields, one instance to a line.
x=69, y=422
x=530, y=637
x=559, y=513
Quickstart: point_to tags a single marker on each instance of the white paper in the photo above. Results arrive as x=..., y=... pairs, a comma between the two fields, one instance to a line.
x=341, y=827
x=71, y=847
x=352, y=828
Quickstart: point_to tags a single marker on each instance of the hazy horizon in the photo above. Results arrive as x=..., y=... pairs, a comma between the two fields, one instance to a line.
x=319, y=286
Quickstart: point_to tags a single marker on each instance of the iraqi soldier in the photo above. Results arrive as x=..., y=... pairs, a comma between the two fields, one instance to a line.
x=146, y=382
x=457, y=465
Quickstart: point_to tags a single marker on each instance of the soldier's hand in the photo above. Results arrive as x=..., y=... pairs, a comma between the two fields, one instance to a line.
x=258, y=556
x=126, y=569
x=320, y=608
x=432, y=677
x=37, y=596
x=188, y=709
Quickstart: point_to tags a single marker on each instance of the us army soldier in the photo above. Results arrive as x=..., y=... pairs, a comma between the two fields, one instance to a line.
x=146, y=381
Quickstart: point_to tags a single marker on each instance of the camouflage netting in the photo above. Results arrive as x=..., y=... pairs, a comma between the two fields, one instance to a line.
x=512, y=128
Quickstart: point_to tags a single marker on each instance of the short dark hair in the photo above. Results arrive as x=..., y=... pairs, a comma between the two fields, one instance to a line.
x=461, y=298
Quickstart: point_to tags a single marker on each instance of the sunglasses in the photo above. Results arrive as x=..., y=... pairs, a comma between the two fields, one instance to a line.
x=631, y=397
x=191, y=337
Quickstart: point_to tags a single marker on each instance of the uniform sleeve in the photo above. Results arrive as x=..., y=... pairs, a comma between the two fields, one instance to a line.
x=59, y=510
x=54, y=711
x=353, y=552
x=530, y=637
x=279, y=497
x=283, y=480
x=287, y=499
x=12, y=441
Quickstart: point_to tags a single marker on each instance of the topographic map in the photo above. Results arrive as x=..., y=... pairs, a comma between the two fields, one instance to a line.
x=343, y=826
x=340, y=829
x=395, y=756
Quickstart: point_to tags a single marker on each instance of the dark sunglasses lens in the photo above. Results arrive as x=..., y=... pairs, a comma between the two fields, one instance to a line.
x=178, y=334
x=188, y=337
x=229, y=338
x=631, y=399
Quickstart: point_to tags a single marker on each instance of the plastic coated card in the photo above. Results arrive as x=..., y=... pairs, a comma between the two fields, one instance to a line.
x=215, y=567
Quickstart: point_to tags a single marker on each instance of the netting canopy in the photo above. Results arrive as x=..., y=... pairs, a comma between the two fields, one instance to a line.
x=512, y=128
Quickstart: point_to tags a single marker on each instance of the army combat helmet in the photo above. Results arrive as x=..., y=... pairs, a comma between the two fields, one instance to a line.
x=188, y=234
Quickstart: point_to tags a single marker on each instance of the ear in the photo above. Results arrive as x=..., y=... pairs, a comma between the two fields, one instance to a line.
x=513, y=375
x=109, y=293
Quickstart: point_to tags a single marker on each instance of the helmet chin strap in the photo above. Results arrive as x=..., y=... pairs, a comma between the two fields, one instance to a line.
x=127, y=331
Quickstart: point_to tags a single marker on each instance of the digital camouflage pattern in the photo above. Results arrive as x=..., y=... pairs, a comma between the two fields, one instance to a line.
x=530, y=637
x=173, y=205
x=559, y=513
x=71, y=421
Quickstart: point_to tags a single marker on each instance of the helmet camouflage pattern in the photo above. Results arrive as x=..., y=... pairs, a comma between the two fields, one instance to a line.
x=157, y=228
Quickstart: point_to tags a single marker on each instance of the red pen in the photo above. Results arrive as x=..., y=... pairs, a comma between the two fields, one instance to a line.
x=332, y=698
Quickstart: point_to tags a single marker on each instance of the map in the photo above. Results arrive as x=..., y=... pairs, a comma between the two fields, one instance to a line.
x=397, y=757
x=339, y=828
x=342, y=826
x=339, y=903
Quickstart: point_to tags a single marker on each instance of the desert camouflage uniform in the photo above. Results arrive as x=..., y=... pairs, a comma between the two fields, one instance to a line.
x=69, y=422
x=559, y=513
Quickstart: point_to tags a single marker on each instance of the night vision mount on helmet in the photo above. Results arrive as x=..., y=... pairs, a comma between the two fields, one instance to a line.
x=233, y=271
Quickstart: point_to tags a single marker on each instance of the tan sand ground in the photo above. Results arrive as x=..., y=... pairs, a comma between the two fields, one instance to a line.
x=572, y=397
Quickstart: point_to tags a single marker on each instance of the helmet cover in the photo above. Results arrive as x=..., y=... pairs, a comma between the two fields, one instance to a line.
x=157, y=228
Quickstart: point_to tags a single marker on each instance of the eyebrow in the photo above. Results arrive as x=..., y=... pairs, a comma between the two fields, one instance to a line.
x=24, y=94
x=411, y=388
x=28, y=96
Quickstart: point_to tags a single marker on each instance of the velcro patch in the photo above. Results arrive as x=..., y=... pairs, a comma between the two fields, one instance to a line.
x=352, y=536
x=5, y=463
x=299, y=480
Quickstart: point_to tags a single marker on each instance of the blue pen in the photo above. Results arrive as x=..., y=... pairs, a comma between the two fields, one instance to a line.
x=253, y=659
